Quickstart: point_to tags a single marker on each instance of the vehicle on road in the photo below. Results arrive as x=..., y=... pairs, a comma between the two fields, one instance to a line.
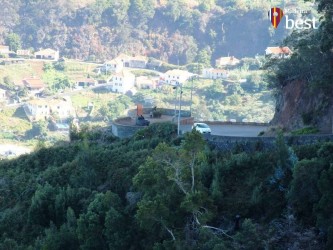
x=201, y=127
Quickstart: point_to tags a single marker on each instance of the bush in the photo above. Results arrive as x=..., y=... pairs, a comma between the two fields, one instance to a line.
x=305, y=131
x=157, y=114
x=307, y=118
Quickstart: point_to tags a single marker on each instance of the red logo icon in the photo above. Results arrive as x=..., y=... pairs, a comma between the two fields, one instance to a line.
x=275, y=15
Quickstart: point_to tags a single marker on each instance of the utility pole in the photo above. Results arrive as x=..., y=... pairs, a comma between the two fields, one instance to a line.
x=191, y=96
x=180, y=107
x=176, y=87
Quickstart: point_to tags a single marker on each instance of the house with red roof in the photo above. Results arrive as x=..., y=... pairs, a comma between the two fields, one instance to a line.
x=34, y=85
x=278, y=52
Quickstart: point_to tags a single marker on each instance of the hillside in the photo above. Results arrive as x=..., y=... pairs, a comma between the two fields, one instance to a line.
x=303, y=84
x=175, y=31
x=99, y=192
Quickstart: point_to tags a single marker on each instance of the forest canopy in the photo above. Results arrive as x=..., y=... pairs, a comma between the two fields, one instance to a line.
x=157, y=191
x=176, y=31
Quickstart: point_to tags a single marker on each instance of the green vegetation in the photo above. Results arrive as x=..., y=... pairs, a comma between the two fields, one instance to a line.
x=305, y=131
x=157, y=191
x=307, y=74
x=180, y=32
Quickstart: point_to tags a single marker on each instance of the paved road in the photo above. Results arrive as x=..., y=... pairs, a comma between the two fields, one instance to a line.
x=231, y=130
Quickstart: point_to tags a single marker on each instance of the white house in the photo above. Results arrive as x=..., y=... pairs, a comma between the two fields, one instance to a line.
x=37, y=110
x=121, y=82
x=278, y=52
x=58, y=108
x=23, y=52
x=124, y=59
x=62, y=108
x=48, y=54
x=34, y=85
x=4, y=50
x=215, y=73
x=114, y=65
x=138, y=62
x=176, y=75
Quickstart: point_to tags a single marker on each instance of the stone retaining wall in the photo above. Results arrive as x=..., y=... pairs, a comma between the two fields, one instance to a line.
x=227, y=143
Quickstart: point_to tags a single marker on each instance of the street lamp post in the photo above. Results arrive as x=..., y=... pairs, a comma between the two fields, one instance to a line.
x=176, y=87
x=180, y=107
x=191, y=96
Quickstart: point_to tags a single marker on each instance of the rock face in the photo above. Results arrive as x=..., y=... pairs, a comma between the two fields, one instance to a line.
x=298, y=105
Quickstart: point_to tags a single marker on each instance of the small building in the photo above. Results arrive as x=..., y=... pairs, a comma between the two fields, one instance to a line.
x=138, y=62
x=48, y=54
x=37, y=110
x=62, y=108
x=23, y=53
x=144, y=82
x=215, y=73
x=121, y=82
x=34, y=85
x=124, y=59
x=176, y=75
x=114, y=65
x=226, y=61
x=41, y=109
x=4, y=50
x=85, y=82
x=278, y=52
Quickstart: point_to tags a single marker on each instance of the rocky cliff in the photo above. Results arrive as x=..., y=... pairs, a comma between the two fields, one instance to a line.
x=298, y=105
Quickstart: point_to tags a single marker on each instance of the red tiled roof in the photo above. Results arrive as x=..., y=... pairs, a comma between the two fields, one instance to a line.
x=33, y=83
x=219, y=71
x=279, y=50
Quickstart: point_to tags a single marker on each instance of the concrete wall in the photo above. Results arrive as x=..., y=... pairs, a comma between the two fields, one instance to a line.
x=235, y=123
x=227, y=143
x=123, y=131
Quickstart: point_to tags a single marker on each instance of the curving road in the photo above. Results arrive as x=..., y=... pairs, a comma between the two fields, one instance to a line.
x=231, y=130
